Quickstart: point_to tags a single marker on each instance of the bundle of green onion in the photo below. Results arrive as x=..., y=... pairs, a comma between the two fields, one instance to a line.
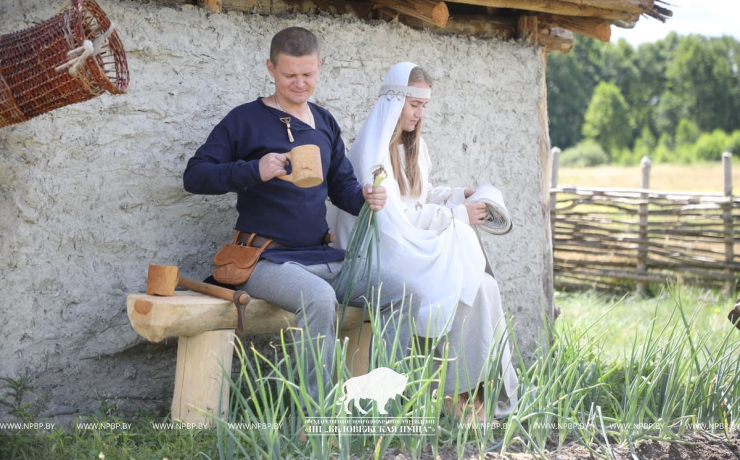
x=363, y=247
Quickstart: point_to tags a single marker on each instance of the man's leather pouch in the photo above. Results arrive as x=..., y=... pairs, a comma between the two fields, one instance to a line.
x=235, y=262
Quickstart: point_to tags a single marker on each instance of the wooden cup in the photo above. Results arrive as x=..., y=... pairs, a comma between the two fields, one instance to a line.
x=305, y=161
x=162, y=279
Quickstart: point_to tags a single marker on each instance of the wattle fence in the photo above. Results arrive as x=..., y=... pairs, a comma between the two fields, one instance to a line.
x=624, y=239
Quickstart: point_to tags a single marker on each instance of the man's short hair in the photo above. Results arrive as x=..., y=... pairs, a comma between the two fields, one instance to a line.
x=293, y=41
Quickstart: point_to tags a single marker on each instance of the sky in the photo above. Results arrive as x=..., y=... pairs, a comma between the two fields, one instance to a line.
x=710, y=17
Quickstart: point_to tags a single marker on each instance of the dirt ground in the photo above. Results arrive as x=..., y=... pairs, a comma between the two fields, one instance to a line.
x=703, y=446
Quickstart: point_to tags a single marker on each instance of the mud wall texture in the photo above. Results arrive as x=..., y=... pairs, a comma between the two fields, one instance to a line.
x=91, y=194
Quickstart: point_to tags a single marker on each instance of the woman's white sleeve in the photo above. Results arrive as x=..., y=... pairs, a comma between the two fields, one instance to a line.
x=446, y=195
x=435, y=214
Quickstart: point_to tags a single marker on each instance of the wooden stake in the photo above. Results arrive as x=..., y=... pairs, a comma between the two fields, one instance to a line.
x=642, y=252
x=555, y=7
x=555, y=166
x=727, y=219
x=430, y=11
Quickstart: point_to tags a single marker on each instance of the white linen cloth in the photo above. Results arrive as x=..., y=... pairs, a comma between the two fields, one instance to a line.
x=498, y=219
x=445, y=261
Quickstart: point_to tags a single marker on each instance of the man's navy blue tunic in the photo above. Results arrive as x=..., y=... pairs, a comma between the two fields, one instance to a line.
x=277, y=209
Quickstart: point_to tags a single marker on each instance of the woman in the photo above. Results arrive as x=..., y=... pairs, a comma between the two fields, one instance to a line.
x=427, y=231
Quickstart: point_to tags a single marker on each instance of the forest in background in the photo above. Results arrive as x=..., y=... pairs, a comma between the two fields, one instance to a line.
x=676, y=100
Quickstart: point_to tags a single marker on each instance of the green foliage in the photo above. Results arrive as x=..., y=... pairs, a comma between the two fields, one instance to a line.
x=571, y=79
x=686, y=132
x=661, y=154
x=710, y=146
x=586, y=153
x=677, y=87
x=607, y=118
x=19, y=401
x=733, y=143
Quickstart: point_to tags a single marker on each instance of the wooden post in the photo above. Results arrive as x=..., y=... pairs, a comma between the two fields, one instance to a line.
x=554, y=165
x=642, y=251
x=202, y=362
x=727, y=218
x=544, y=158
x=358, y=356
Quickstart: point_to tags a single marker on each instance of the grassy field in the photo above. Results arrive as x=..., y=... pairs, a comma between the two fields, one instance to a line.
x=630, y=317
x=702, y=177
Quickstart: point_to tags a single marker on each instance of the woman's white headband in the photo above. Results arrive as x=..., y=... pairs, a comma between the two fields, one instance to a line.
x=399, y=92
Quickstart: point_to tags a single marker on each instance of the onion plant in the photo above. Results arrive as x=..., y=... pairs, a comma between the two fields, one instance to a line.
x=363, y=248
x=673, y=378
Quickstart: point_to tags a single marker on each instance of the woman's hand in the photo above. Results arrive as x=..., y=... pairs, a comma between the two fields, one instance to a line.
x=469, y=193
x=476, y=213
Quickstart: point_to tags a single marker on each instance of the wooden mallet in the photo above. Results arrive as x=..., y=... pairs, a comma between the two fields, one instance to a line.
x=163, y=279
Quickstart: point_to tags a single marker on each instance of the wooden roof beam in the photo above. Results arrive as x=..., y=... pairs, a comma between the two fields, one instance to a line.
x=213, y=5
x=431, y=11
x=600, y=29
x=503, y=28
x=561, y=7
x=532, y=30
x=628, y=6
x=556, y=39
x=360, y=10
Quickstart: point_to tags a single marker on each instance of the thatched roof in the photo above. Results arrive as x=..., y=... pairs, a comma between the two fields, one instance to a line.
x=551, y=23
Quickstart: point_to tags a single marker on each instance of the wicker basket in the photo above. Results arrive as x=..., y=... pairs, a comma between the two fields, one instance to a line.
x=74, y=56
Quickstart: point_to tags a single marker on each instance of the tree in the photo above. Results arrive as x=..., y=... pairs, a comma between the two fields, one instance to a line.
x=607, y=119
x=704, y=73
x=691, y=78
x=571, y=80
x=686, y=132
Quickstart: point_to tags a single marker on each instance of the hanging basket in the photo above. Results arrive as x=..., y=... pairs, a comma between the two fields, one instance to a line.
x=72, y=57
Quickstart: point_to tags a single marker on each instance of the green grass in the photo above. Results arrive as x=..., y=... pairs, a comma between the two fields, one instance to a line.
x=632, y=316
x=618, y=372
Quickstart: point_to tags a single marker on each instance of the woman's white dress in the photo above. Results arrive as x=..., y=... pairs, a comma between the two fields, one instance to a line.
x=477, y=333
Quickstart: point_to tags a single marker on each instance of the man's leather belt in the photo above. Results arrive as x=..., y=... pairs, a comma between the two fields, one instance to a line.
x=258, y=241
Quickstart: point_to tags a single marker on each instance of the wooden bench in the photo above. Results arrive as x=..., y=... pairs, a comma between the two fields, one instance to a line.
x=205, y=328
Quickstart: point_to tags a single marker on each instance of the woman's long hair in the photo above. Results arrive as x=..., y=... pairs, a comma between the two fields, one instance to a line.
x=410, y=141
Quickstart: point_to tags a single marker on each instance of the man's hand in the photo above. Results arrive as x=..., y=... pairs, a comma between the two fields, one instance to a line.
x=375, y=196
x=476, y=213
x=272, y=165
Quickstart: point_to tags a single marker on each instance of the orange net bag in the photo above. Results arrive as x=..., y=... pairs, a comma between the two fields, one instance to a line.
x=72, y=57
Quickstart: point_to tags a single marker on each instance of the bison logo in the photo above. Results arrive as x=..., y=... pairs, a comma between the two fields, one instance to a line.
x=382, y=384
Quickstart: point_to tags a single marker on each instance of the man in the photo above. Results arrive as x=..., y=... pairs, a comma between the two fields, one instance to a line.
x=245, y=154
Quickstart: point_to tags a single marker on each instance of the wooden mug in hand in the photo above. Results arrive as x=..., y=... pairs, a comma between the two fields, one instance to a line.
x=305, y=162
